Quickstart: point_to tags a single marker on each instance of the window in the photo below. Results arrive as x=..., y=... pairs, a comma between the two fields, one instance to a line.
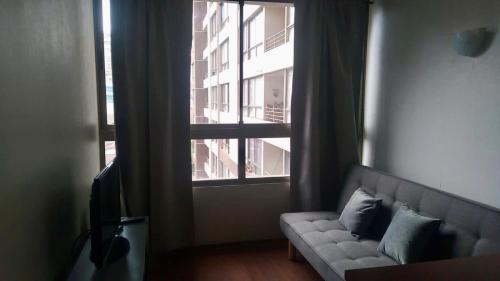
x=213, y=25
x=225, y=97
x=246, y=134
x=254, y=157
x=253, y=31
x=217, y=152
x=109, y=151
x=253, y=98
x=225, y=145
x=224, y=16
x=224, y=51
x=267, y=157
x=102, y=38
x=213, y=63
x=213, y=98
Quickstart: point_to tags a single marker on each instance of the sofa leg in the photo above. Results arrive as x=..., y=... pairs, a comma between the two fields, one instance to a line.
x=293, y=254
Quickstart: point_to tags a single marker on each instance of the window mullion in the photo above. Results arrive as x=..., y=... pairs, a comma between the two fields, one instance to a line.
x=240, y=58
x=241, y=141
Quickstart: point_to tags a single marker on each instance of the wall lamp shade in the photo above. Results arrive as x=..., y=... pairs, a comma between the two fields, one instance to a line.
x=471, y=43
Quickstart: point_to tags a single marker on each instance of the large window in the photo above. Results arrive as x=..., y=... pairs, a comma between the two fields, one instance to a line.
x=245, y=133
x=102, y=37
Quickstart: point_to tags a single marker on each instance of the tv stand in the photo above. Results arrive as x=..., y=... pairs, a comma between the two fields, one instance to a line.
x=120, y=265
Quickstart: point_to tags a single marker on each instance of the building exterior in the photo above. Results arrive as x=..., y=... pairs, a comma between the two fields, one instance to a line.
x=267, y=74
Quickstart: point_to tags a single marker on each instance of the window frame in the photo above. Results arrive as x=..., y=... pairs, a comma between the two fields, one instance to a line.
x=240, y=130
x=107, y=132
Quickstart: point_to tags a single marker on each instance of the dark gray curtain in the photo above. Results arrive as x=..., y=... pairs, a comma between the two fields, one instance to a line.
x=330, y=38
x=151, y=45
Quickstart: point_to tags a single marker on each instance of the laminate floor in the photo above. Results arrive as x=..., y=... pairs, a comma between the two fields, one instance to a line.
x=253, y=261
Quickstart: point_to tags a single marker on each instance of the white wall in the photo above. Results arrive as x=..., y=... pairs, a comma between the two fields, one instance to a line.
x=239, y=213
x=48, y=133
x=433, y=116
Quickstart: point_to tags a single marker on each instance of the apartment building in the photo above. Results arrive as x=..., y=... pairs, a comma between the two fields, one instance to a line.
x=267, y=73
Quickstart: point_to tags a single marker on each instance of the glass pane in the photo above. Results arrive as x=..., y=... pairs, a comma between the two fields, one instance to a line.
x=109, y=151
x=267, y=157
x=214, y=63
x=268, y=62
x=214, y=159
x=108, y=74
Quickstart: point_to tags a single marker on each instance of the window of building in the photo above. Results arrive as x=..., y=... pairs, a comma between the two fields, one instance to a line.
x=213, y=98
x=246, y=135
x=225, y=145
x=213, y=63
x=213, y=25
x=253, y=39
x=224, y=97
x=224, y=15
x=252, y=98
x=214, y=161
x=224, y=51
x=254, y=157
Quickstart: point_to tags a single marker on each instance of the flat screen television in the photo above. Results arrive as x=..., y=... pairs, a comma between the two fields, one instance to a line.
x=105, y=217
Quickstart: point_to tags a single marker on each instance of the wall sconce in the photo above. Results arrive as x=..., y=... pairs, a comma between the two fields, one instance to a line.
x=472, y=43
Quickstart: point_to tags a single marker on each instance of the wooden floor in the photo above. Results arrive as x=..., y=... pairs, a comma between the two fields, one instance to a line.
x=253, y=261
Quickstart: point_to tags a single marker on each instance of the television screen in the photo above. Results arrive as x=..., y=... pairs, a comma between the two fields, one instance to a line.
x=105, y=213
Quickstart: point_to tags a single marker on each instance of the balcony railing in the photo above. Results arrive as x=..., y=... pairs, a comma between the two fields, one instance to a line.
x=278, y=39
x=275, y=40
x=274, y=114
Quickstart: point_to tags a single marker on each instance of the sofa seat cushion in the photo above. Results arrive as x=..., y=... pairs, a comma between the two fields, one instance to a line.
x=319, y=234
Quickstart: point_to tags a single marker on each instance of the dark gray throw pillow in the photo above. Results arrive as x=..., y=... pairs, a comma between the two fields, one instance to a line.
x=408, y=235
x=359, y=212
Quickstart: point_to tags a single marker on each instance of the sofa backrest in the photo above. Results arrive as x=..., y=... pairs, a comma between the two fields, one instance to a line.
x=468, y=228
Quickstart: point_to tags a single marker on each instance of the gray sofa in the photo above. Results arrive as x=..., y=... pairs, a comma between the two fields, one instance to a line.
x=468, y=228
